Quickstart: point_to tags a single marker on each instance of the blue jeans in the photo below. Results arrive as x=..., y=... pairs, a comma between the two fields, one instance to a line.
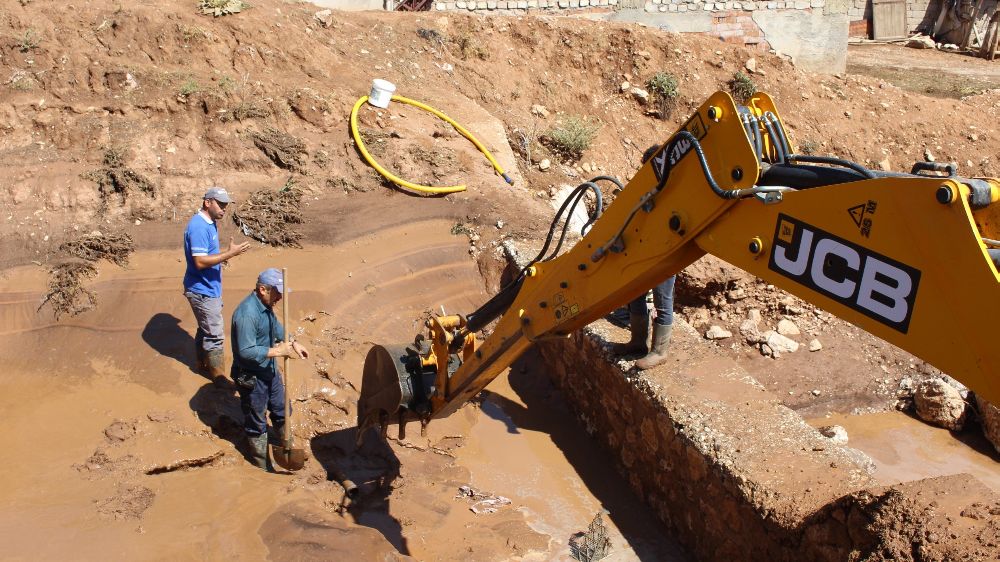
x=208, y=314
x=266, y=395
x=663, y=302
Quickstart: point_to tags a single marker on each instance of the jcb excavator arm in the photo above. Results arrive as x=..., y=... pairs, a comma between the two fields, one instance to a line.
x=904, y=256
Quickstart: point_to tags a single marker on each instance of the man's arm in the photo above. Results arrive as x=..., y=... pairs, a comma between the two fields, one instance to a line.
x=295, y=350
x=246, y=341
x=206, y=261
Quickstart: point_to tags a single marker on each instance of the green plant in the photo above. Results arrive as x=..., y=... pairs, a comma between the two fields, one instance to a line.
x=664, y=87
x=21, y=81
x=28, y=41
x=187, y=88
x=460, y=228
x=192, y=34
x=742, y=87
x=663, y=84
x=808, y=147
x=572, y=136
x=468, y=47
x=222, y=7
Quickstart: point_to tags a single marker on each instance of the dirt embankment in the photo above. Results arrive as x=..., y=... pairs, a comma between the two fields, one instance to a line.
x=260, y=100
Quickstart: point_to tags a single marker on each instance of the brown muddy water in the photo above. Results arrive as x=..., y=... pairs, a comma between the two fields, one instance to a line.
x=95, y=402
x=905, y=449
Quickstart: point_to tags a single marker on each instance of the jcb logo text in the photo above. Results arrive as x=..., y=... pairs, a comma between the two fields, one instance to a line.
x=874, y=285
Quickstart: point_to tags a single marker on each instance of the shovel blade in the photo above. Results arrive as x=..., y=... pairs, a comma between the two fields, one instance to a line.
x=288, y=458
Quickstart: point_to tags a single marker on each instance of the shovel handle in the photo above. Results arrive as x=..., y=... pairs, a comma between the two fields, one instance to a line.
x=287, y=437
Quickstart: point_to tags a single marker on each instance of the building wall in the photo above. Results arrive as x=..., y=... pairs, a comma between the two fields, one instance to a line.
x=351, y=5
x=820, y=25
x=920, y=16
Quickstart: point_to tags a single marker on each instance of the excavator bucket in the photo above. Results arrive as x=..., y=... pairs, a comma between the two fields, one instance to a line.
x=392, y=387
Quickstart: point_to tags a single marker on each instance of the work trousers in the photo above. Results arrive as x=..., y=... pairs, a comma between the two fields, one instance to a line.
x=266, y=395
x=208, y=313
x=663, y=304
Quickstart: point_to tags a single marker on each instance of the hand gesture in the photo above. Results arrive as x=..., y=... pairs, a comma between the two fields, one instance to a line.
x=237, y=249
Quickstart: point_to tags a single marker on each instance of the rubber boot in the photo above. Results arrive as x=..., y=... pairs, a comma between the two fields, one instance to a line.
x=215, y=361
x=639, y=328
x=259, y=453
x=200, y=363
x=661, y=343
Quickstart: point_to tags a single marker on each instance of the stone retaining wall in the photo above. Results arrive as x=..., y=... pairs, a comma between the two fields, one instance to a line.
x=736, y=476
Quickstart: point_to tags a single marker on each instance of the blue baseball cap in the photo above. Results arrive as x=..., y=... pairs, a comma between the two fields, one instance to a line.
x=219, y=194
x=272, y=277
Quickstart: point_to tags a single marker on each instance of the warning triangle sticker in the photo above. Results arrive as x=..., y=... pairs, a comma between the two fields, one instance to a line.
x=857, y=213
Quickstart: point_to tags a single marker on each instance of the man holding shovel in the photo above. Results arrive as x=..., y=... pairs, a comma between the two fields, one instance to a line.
x=257, y=339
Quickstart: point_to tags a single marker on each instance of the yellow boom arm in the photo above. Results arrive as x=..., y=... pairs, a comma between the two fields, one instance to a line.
x=903, y=256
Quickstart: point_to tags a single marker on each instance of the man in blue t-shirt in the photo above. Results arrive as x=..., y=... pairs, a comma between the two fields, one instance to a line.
x=203, y=280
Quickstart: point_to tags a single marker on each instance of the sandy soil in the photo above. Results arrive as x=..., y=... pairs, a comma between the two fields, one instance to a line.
x=98, y=400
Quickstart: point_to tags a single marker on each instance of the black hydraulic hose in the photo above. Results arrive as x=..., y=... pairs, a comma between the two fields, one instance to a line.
x=500, y=302
x=787, y=147
x=724, y=193
x=593, y=216
x=779, y=147
x=493, y=308
x=868, y=174
x=752, y=128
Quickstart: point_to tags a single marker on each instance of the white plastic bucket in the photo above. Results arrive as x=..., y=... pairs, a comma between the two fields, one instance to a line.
x=382, y=91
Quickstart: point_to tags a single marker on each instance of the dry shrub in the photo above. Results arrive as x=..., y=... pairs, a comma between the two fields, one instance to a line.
x=115, y=177
x=742, y=87
x=572, y=136
x=114, y=247
x=665, y=89
x=283, y=149
x=266, y=216
x=244, y=110
x=66, y=292
x=222, y=7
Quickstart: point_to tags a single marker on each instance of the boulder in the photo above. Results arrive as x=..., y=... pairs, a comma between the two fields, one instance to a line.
x=834, y=433
x=940, y=404
x=780, y=343
x=920, y=42
x=718, y=333
x=788, y=328
x=989, y=416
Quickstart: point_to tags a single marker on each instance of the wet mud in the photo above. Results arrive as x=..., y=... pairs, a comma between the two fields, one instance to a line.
x=130, y=452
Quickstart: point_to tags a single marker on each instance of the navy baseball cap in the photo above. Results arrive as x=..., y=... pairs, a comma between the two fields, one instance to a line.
x=219, y=194
x=273, y=278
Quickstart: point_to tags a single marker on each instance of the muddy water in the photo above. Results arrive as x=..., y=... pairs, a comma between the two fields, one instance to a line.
x=529, y=445
x=74, y=487
x=905, y=449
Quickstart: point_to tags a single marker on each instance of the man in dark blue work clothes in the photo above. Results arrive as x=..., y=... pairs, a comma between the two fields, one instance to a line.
x=257, y=339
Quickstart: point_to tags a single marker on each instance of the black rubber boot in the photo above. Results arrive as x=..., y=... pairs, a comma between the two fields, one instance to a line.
x=639, y=328
x=259, y=453
x=661, y=343
x=215, y=362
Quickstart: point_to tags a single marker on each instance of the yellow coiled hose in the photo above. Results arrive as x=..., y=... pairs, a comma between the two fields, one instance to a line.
x=410, y=185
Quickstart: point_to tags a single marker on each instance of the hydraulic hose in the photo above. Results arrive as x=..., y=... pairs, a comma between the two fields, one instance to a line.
x=410, y=185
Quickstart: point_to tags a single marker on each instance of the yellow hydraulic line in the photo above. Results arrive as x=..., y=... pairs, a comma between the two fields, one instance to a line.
x=410, y=185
